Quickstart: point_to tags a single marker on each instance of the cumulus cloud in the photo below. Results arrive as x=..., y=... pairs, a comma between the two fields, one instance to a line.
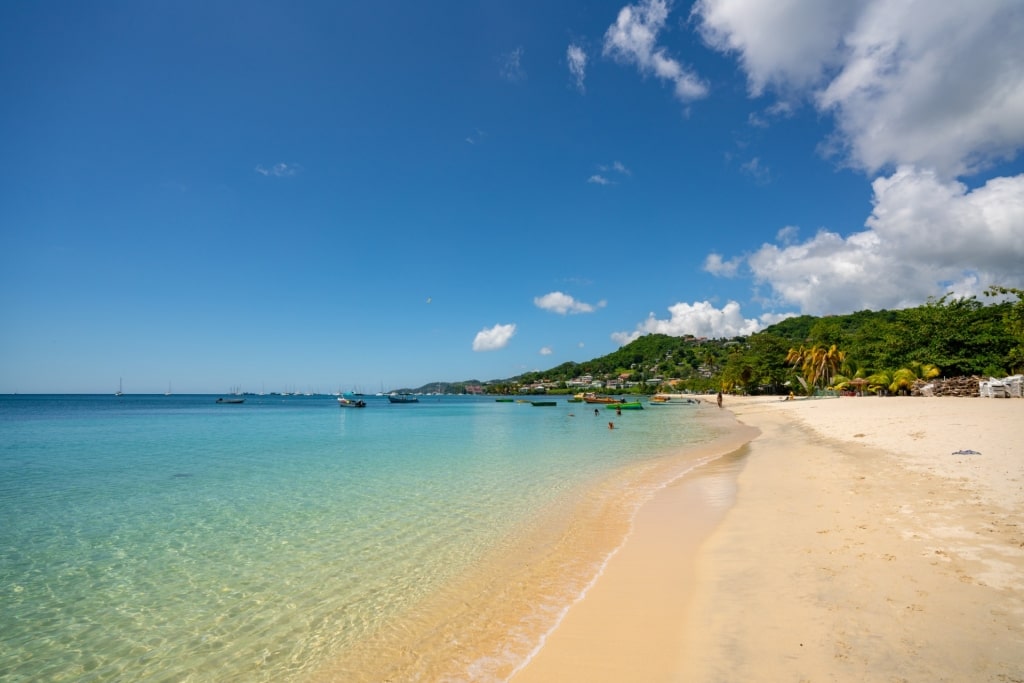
x=633, y=39
x=700, y=319
x=281, y=170
x=926, y=236
x=716, y=265
x=936, y=85
x=559, y=302
x=546, y=351
x=598, y=179
x=577, y=59
x=781, y=44
x=494, y=338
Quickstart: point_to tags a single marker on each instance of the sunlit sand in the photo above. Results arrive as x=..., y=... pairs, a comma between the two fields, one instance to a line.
x=871, y=539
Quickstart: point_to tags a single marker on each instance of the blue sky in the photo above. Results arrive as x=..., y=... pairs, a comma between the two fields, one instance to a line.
x=322, y=196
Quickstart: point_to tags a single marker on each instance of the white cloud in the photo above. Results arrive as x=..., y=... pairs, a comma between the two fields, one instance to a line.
x=281, y=170
x=787, y=234
x=700, y=319
x=782, y=44
x=546, y=351
x=632, y=39
x=601, y=178
x=937, y=85
x=715, y=265
x=559, y=302
x=577, y=59
x=925, y=237
x=494, y=338
x=761, y=174
x=512, y=67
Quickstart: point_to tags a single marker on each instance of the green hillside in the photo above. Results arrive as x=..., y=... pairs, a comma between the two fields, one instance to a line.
x=945, y=337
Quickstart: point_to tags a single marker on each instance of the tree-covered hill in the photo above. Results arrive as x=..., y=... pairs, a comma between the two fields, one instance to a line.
x=951, y=337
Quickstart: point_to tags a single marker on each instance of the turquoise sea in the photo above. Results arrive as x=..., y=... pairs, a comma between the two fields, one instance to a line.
x=170, y=538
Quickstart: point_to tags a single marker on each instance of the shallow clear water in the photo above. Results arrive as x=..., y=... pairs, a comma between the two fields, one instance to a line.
x=171, y=538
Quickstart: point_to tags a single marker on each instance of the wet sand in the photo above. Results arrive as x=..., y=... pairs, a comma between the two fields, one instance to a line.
x=861, y=547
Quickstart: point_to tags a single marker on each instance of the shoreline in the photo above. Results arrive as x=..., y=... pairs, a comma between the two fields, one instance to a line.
x=491, y=622
x=860, y=546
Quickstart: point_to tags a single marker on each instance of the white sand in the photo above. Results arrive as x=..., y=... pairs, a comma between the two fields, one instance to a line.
x=860, y=548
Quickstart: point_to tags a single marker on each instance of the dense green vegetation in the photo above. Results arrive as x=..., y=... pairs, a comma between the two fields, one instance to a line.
x=878, y=351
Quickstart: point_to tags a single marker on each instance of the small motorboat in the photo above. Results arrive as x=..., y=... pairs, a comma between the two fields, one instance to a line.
x=346, y=402
x=632, y=405
x=594, y=398
x=230, y=400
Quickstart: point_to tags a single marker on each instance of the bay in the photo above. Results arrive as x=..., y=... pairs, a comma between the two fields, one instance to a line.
x=171, y=538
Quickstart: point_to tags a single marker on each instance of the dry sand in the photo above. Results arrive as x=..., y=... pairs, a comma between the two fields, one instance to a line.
x=860, y=548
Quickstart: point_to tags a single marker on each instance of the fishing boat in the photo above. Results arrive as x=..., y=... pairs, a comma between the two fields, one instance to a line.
x=230, y=400
x=576, y=398
x=503, y=400
x=402, y=398
x=594, y=398
x=544, y=403
x=632, y=405
x=675, y=400
x=346, y=402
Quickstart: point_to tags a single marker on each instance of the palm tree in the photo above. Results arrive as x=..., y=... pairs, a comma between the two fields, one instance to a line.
x=817, y=363
x=903, y=380
x=828, y=362
x=881, y=381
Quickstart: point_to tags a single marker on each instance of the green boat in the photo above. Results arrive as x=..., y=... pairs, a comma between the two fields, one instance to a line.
x=632, y=405
x=503, y=400
x=544, y=403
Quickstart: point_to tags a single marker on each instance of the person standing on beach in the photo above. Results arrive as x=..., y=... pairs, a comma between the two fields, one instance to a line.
x=719, y=399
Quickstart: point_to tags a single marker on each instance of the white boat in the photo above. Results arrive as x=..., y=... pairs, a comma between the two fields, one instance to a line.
x=118, y=392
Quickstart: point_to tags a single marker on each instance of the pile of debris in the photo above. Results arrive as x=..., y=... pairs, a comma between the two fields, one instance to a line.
x=1007, y=387
x=952, y=386
x=986, y=387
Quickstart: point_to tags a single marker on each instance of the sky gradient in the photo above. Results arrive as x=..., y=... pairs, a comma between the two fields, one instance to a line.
x=325, y=196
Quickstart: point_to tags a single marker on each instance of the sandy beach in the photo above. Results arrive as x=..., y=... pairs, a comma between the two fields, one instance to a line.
x=870, y=539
